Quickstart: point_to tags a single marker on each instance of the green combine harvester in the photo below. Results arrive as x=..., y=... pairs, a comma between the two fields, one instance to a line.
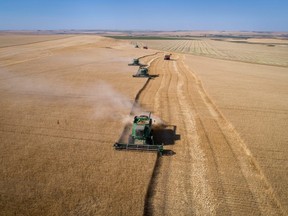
x=135, y=62
x=141, y=137
x=142, y=73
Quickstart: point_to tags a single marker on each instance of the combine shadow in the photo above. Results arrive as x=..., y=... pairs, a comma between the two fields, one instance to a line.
x=153, y=76
x=166, y=135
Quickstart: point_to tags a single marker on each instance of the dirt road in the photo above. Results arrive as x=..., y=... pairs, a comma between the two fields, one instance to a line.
x=212, y=171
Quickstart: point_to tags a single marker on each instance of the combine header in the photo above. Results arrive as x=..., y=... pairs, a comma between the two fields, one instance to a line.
x=141, y=137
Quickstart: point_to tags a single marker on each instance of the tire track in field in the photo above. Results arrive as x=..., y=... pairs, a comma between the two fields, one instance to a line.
x=154, y=98
x=161, y=99
x=163, y=200
x=212, y=172
x=253, y=191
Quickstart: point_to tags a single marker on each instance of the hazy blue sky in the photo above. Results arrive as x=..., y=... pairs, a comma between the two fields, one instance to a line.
x=257, y=15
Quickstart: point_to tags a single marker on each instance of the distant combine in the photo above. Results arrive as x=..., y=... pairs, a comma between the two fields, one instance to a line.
x=135, y=62
x=142, y=72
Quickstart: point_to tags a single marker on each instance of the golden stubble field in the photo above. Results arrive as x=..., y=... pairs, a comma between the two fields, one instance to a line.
x=253, y=98
x=65, y=101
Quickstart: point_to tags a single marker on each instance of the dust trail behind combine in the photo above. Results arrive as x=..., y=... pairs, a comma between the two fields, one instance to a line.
x=212, y=172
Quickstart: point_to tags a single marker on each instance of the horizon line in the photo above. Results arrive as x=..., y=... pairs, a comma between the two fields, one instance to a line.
x=142, y=30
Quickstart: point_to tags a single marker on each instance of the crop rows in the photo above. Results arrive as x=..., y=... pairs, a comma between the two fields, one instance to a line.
x=251, y=53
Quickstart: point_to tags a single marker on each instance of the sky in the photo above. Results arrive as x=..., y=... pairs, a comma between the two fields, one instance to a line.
x=224, y=15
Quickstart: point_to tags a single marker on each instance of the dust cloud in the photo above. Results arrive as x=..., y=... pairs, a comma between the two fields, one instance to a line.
x=105, y=101
x=109, y=103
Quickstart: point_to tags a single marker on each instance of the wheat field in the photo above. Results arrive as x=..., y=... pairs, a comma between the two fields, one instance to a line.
x=261, y=51
x=65, y=100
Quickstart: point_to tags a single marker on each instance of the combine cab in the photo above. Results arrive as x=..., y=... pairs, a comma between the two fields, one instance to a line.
x=141, y=137
x=142, y=72
x=167, y=57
